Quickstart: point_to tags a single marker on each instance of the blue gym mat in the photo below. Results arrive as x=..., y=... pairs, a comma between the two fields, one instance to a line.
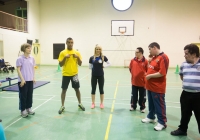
x=15, y=88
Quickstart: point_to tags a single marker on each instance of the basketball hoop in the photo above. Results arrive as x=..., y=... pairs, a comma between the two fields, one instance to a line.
x=122, y=32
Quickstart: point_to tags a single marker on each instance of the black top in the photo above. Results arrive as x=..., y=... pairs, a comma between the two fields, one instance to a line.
x=97, y=69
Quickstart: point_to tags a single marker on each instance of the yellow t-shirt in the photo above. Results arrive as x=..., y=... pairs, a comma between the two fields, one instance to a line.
x=70, y=68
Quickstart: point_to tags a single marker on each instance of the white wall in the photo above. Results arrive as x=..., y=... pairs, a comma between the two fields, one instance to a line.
x=11, y=44
x=33, y=19
x=12, y=40
x=171, y=23
x=1, y=49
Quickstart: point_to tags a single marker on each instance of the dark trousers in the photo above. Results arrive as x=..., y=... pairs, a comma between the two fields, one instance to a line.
x=26, y=95
x=157, y=106
x=189, y=102
x=100, y=80
x=134, y=97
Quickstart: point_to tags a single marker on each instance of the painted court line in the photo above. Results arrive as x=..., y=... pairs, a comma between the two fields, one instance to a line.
x=84, y=76
x=82, y=98
x=110, y=118
x=125, y=104
x=42, y=103
x=33, y=110
x=108, y=127
x=33, y=94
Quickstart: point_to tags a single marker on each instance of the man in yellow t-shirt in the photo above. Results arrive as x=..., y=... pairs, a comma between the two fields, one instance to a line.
x=69, y=59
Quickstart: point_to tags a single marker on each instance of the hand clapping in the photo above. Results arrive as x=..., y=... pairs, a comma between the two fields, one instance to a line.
x=67, y=56
x=75, y=56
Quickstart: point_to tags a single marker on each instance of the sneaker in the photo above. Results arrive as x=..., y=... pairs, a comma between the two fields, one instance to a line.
x=142, y=111
x=101, y=106
x=132, y=109
x=159, y=127
x=62, y=108
x=81, y=107
x=30, y=112
x=178, y=132
x=24, y=114
x=93, y=106
x=147, y=120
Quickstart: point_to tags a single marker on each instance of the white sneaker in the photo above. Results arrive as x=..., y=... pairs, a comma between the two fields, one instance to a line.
x=142, y=111
x=24, y=114
x=132, y=109
x=147, y=120
x=159, y=127
x=30, y=112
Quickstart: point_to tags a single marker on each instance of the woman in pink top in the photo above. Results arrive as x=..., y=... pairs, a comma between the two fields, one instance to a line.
x=25, y=69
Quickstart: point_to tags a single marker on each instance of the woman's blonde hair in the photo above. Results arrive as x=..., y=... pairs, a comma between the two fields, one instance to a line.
x=24, y=46
x=101, y=54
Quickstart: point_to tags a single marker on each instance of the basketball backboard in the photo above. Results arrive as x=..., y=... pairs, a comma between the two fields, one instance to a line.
x=122, y=27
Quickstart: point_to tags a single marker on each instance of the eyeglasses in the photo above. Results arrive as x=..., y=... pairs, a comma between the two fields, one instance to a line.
x=137, y=52
x=98, y=49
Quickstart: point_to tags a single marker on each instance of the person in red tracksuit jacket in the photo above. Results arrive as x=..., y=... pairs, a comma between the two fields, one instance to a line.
x=156, y=86
x=138, y=68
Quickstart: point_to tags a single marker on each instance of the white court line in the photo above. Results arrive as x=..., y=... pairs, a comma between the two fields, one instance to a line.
x=33, y=94
x=39, y=105
x=18, y=98
x=90, y=102
x=43, y=103
x=89, y=98
x=84, y=76
x=33, y=110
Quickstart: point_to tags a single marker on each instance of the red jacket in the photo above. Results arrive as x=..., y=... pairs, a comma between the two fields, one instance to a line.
x=138, y=69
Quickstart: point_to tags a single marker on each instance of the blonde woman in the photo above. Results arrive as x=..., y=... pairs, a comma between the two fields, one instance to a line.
x=96, y=65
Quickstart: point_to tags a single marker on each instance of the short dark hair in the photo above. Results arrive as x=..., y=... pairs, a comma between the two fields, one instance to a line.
x=154, y=44
x=140, y=50
x=69, y=38
x=192, y=49
x=24, y=46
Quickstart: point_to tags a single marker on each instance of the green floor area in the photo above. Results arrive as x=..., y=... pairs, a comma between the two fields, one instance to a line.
x=114, y=122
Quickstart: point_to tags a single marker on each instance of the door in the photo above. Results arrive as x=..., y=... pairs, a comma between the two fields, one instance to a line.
x=198, y=44
x=36, y=52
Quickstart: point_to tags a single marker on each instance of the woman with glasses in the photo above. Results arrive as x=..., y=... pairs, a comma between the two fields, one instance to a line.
x=96, y=65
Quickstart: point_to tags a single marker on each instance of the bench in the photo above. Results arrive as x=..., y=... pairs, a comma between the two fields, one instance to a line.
x=8, y=79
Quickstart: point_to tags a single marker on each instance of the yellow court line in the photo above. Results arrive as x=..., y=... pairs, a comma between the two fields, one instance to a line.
x=112, y=108
x=116, y=89
x=113, y=104
x=108, y=127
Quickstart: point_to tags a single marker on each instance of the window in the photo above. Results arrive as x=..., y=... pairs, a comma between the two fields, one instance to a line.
x=122, y=5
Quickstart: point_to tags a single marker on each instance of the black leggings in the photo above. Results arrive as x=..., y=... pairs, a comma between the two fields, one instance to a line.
x=100, y=80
